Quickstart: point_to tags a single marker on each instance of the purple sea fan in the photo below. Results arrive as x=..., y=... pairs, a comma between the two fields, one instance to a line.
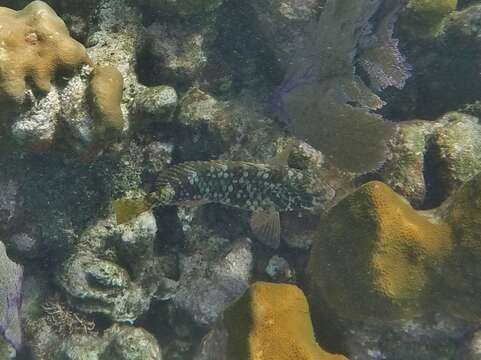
x=277, y=100
x=379, y=51
x=11, y=277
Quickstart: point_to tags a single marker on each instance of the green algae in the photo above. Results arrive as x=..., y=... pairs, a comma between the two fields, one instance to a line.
x=424, y=18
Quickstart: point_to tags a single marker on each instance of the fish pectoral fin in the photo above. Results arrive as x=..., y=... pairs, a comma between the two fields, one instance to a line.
x=128, y=209
x=266, y=227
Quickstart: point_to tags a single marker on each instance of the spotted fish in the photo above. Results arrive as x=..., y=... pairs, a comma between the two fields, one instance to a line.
x=265, y=189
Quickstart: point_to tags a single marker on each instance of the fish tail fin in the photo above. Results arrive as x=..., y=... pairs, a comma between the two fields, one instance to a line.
x=129, y=208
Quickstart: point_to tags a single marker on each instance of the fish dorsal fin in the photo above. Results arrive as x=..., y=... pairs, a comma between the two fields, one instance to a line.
x=282, y=157
x=266, y=227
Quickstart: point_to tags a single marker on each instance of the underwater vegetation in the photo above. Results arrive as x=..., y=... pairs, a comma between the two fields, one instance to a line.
x=334, y=110
x=423, y=18
x=161, y=198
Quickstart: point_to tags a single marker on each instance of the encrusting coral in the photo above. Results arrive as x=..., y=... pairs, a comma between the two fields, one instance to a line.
x=35, y=43
x=377, y=258
x=271, y=321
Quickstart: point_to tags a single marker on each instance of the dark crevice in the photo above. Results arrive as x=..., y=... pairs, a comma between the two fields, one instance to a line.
x=435, y=189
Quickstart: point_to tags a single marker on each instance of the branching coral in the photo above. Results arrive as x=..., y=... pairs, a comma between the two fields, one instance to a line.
x=64, y=321
x=34, y=44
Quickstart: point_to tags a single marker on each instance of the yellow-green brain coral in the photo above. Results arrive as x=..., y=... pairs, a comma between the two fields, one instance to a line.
x=34, y=44
x=271, y=322
x=376, y=256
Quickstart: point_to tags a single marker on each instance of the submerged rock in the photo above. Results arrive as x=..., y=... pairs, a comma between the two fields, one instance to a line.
x=120, y=342
x=206, y=287
x=283, y=22
x=8, y=201
x=436, y=336
x=94, y=279
x=405, y=166
x=456, y=150
x=179, y=52
x=11, y=277
x=186, y=8
x=429, y=160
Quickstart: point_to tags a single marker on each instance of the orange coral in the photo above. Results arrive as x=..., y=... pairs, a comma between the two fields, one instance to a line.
x=34, y=43
x=376, y=256
x=271, y=322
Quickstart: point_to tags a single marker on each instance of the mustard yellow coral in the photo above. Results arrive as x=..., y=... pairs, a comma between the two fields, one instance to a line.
x=461, y=292
x=375, y=256
x=271, y=322
x=34, y=44
x=106, y=89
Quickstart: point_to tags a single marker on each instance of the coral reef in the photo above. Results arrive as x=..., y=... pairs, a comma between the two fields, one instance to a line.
x=10, y=299
x=402, y=262
x=35, y=44
x=334, y=110
x=121, y=342
x=165, y=89
x=95, y=283
x=189, y=8
x=445, y=150
x=389, y=261
x=207, y=287
x=282, y=23
x=423, y=18
x=435, y=336
x=267, y=309
x=89, y=111
x=106, y=89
